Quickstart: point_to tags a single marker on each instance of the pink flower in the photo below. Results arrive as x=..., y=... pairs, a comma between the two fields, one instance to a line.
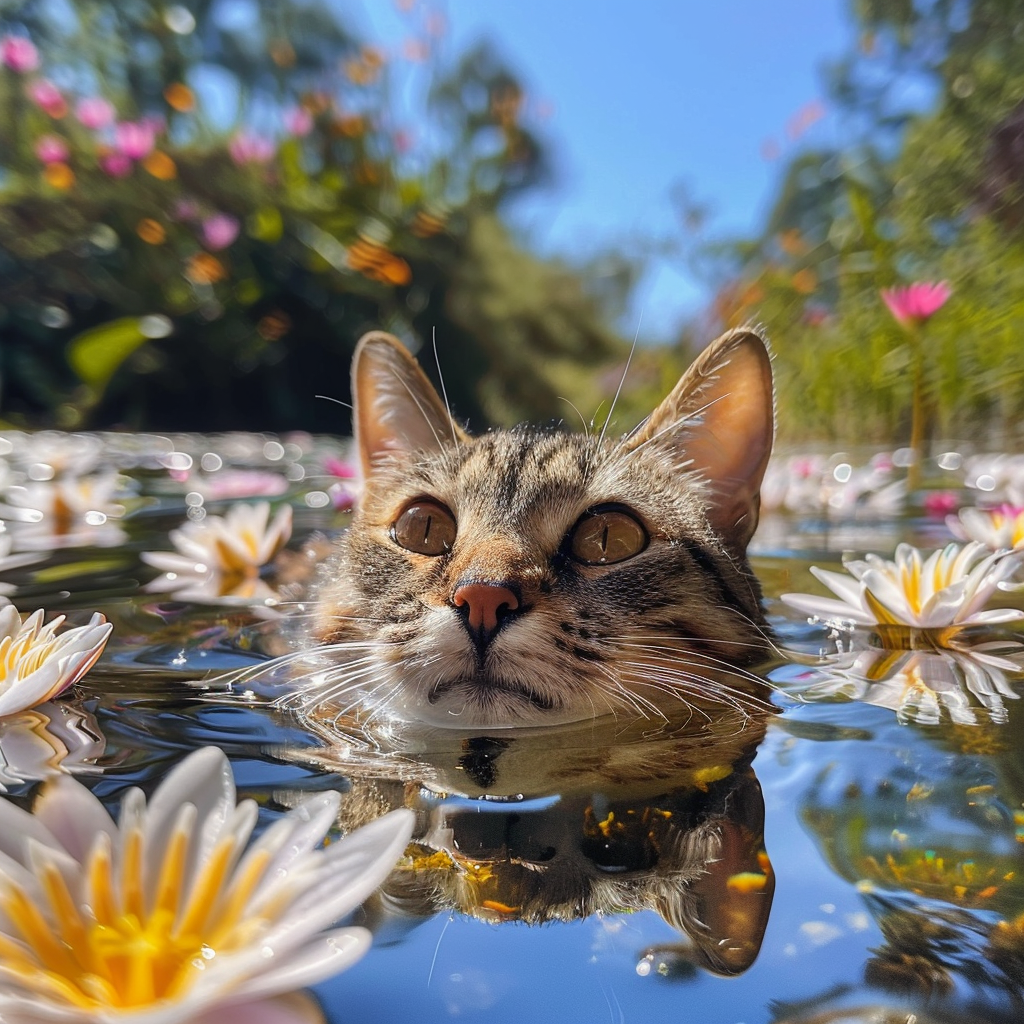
x=340, y=468
x=250, y=149
x=19, y=54
x=117, y=165
x=51, y=149
x=134, y=139
x=298, y=121
x=941, y=503
x=44, y=94
x=916, y=303
x=219, y=231
x=94, y=112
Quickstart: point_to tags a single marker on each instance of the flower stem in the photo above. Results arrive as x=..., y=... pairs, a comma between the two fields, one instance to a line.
x=917, y=414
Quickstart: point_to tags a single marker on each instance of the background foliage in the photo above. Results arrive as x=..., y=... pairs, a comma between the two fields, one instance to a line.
x=218, y=277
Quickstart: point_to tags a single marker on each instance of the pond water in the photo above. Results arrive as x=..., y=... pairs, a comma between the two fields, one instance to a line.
x=855, y=855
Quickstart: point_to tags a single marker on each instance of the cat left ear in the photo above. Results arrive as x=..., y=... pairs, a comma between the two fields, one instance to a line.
x=397, y=410
x=719, y=421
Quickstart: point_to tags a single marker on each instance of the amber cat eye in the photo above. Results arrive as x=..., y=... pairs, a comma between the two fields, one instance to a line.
x=606, y=535
x=426, y=527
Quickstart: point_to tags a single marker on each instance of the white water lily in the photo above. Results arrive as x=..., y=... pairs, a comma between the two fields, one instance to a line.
x=949, y=587
x=167, y=917
x=69, y=512
x=37, y=663
x=219, y=557
x=925, y=686
x=1001, y=528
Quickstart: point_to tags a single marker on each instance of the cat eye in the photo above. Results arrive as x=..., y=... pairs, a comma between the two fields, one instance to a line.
x=606, y=535
x=426, y=527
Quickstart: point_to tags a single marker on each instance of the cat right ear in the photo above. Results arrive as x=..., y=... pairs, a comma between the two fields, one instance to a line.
x=396, y=409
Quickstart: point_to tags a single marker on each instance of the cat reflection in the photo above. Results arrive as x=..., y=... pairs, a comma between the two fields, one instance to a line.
x=681, y=834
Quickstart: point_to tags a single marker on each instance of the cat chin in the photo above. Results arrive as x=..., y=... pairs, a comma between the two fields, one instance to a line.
x=468, y=704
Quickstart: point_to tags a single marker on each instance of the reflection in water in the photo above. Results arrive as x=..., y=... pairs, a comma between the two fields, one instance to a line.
x=559, y=824
x=923, y=683
x=52, y=737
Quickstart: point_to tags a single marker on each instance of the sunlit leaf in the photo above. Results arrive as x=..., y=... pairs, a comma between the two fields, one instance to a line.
x=96, y=354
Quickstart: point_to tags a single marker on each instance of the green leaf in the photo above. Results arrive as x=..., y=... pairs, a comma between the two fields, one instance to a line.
x=96, y=354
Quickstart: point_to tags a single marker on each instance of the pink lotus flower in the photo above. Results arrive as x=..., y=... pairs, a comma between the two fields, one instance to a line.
x=219, y=231
x=116, y=165
x=51, y=149
x=941, y=503
x=94, y=112
x=134, y=139
x=45, y=95
x=246, y=148
x=19, y=54
x=298, y=121
x=916, y=303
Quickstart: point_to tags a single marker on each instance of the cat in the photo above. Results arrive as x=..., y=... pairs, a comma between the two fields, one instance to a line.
x=532, y=577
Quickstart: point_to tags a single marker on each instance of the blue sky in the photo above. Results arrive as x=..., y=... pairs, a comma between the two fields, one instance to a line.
x=642, y=97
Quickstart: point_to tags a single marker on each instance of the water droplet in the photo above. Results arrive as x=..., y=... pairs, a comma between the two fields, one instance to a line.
x=843, y=472
x=274, y=451
x=295, y=472
x=266, y=952
x=40, y=471
x=193, y=498
x=211, y=462
x=207, y=952
x=643, y=968
x=196, y=513
x=318, y=499
x=950, y=460
x=985, y=482
x=95, y=518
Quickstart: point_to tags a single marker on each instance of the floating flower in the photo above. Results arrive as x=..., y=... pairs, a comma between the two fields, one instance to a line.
x=51, y=149
x=220, y=557
x=19, y=54
x=134, y=139
x=36, y=664
x=45, y=95
x=950, y=588
x=167, y=917
x=94, y=112
x=925, y=686
x=1000, y=528
x=219, y=231
x=916, y=303
x=70, y=512
x=246, y=148
x=241, y=483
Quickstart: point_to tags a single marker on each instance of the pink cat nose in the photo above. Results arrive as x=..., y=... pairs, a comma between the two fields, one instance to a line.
x=484, y=606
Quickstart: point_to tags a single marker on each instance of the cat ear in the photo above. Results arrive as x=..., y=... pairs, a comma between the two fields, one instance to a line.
x=719, y=421
x=396, y=409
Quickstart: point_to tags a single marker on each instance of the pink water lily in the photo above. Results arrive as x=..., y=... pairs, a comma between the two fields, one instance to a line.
x=916, y=303
x=45, y=95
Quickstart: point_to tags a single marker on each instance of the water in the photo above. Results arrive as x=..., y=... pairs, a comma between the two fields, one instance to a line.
x=864, y=862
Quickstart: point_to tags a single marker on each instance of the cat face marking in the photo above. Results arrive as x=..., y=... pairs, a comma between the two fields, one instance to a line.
x=468, y=554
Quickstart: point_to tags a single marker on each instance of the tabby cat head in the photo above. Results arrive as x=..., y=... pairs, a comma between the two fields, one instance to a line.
x=531, y=576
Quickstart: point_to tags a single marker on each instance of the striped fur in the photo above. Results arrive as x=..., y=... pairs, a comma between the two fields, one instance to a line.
x=676, y=623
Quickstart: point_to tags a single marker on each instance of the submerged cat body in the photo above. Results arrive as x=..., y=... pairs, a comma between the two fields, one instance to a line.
x=531, y=577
